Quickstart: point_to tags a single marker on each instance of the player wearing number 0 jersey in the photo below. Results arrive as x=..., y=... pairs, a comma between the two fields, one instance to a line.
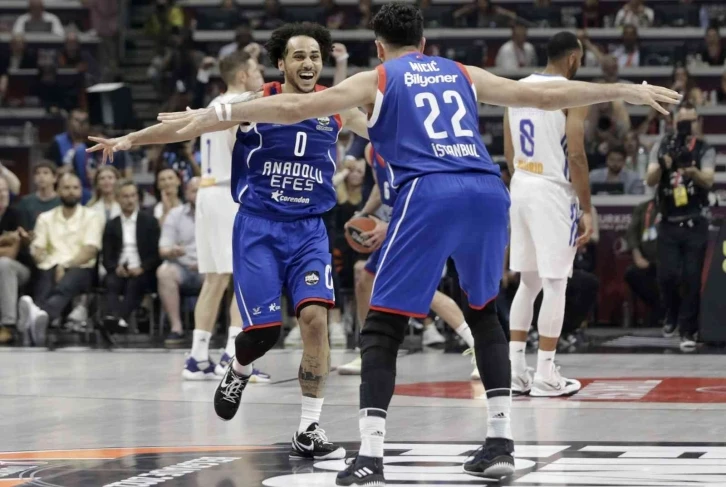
x=451, y=202
x=380, y=201
x=545, y=152
x=282, y=178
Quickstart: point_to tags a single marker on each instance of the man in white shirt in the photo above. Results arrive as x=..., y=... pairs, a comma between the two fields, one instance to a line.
x=628, y=54
x=517, y=53
x=635, y=13
x=38, y=20
x=130, y=255
x=65, y=247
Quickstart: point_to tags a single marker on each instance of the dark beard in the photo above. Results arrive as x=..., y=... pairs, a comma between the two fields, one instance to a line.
x=70, y=202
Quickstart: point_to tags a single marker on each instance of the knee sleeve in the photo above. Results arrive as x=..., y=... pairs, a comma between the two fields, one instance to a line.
x=552, y=312
x=253, y=344
x=484, y=324
x=380, y=339
x=522, y=311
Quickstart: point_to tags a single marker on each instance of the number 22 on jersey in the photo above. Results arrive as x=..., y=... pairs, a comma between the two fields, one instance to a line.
x=429, y=100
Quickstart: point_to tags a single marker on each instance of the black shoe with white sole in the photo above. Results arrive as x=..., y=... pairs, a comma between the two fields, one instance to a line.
x=669, y=330
x=313, y=444
x=495, y=459
x=366, y=471
x=228, y=395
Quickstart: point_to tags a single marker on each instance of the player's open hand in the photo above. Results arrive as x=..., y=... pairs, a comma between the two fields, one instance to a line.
x=652, y=95
x=109, y=146
x=191, y=122
x=374, y=238
x=585, y=230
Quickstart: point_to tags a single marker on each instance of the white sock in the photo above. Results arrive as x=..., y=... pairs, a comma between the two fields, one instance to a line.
x=465, y=333
x=245, y=370
x=545, y=363
x=311, y=408
x=200, y=345
x=499, y=424
x=517, y=357
x=372, y=432
x=231, y=336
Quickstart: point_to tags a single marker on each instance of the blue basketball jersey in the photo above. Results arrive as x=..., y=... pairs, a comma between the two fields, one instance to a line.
x=426, y=119
x=379, y=166
x=285, y=172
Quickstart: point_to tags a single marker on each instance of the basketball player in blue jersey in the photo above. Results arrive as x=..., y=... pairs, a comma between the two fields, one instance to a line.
x=447, y=187
x=282, y=178
x=381, y=198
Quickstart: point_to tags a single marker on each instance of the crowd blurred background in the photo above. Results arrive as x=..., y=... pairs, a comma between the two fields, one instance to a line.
x=70, y=69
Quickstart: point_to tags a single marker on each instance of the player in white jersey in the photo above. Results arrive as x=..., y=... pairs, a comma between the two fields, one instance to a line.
x=546, y=155
x=215, y=214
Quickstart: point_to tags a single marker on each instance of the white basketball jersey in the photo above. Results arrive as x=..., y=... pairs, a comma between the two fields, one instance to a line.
x=539, y=140
x=216, y=148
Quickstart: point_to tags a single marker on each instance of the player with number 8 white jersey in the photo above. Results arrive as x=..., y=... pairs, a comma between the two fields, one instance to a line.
x=544, y=212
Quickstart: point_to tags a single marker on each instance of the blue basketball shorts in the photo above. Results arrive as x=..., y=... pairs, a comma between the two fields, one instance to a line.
x=437, y=216
x=271, y=254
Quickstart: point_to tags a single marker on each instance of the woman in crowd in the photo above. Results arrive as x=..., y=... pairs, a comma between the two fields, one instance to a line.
x=104, y=192
x=168, y=192
x=684, y=84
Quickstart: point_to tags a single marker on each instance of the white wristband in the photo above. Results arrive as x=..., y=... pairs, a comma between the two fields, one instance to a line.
x=224, y=112
x=342, y=58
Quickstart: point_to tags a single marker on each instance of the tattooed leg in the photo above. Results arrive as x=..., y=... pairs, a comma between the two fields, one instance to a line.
x=315, y=364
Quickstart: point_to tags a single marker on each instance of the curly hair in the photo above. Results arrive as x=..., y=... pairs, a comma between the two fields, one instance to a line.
x=399, y=24
x=277, y=45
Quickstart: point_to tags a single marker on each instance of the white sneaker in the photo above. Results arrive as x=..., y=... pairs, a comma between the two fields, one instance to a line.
x=338, y=338
x=555, y=386
x=293, y=339
x=431, y=336
x=522, y=383
x=79, y=314
x=352, y=367
x=475, y=373
x=38, y=325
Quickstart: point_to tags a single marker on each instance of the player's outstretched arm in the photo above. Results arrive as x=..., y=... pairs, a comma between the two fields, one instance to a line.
x=557, y=95
x=356, y=121
x=159, y=134
x=357, y=91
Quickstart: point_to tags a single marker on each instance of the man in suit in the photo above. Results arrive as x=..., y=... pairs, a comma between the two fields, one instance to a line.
x=130, y=255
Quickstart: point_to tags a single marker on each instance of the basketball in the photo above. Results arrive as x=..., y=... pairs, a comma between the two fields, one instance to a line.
x=353, y=233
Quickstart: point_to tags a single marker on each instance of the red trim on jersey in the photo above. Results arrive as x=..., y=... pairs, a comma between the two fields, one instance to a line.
x=397, y=312
x=465, y=71
x=272, y=88
x=328, y=303
x=380, y=160
x=381, y=78
x=369, y=153
x=263, y=325
x=369, y=271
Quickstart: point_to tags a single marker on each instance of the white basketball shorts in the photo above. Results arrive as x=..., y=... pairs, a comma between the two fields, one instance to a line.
x=543, y=219
x=214, y=220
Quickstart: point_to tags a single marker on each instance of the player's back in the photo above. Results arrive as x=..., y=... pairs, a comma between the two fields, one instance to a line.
x=539, y=139
x=426, y=120
x=285, y=172
x=216, y=149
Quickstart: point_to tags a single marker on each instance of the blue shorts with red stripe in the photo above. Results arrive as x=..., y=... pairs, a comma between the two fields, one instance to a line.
x=464, y=216
x=271, y=254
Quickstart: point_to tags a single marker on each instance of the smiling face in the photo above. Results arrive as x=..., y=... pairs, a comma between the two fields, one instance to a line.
x=302, y=64
x=168, y=182
x=106, y=181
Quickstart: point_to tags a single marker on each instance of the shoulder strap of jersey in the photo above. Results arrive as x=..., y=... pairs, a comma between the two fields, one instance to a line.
x=272, y=88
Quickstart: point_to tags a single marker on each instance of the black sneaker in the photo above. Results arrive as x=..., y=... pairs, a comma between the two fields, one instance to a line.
x=669, y=330
x=228, y=395
x=361, y=470
x=494, y=459
x=314, y=444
